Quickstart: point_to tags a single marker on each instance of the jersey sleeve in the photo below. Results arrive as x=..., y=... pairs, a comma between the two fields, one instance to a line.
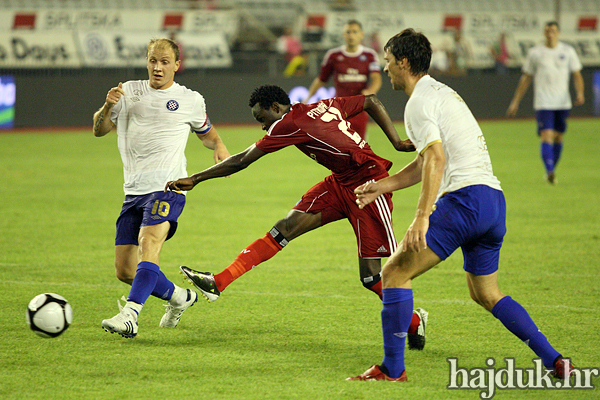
x=116, y=110
x=282, y=133
x=350, y=105
x=374, y=65
x=529, y=64
x=421, y=126
x=199, y=121
x=326, y=67
x=574, y=62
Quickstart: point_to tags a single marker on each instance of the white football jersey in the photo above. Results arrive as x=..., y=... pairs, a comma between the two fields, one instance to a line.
x=153, y=127
x=436, y=113
x=551, y=69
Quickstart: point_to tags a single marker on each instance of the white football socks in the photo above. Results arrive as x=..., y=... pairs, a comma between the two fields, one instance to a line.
x=179, y=296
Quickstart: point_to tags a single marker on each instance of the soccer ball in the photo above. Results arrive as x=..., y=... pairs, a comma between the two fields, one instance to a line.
x=49, y=315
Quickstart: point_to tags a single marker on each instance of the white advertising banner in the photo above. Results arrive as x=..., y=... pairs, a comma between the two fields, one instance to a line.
x=130, y=20
x=508, y=22
x=212, y=21
x=25, y=49
x=128, y=49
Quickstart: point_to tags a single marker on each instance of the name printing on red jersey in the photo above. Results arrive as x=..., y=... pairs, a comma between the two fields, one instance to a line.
x=322, y=132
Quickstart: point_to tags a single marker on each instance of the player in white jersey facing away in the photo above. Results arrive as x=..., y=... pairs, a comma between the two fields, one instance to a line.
x=153, y=119
x=550, y=65
x=460, y=205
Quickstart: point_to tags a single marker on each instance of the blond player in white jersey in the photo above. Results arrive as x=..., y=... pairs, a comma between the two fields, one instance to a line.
x=550, y=65
x=153, y=118
x=460, y=205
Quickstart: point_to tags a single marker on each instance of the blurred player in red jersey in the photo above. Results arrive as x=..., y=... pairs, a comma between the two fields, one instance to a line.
x=322, y=132
x=355, y=69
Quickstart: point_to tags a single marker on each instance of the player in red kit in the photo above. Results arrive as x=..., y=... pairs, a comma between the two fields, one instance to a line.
x=322, y=132
x=355, y=69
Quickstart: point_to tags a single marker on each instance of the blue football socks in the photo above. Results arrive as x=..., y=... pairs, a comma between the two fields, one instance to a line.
x=547, y=156
x=164, y=288
x=395, y=319
x=149, y=280
x=516, y=319
x=557, y=150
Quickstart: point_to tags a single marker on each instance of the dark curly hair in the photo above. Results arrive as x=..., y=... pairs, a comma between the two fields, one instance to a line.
x=413, y=46
x=266, y=95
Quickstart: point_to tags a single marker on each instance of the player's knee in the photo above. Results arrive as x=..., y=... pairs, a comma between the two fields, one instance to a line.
x=124, y=273
x=487, y=301
x=476, y=299
x=297, y=223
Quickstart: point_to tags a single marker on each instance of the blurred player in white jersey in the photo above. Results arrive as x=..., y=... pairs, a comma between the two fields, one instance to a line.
x=461, y=205
x=549, y=65
x=153, y=119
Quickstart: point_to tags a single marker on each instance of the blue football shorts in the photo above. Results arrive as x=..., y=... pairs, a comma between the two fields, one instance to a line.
x=474, y=219
x=552, y=119
x=145, y=210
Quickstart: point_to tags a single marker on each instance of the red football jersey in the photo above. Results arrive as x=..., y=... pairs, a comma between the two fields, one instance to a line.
x=350, y=70
x=322, y=132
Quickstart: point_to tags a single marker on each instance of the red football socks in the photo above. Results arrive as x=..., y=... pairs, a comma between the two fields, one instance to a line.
x=414, y=323
x=259, y=251
x=377, y=289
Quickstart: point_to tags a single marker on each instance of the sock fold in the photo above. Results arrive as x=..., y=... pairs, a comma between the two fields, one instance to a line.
x=396, y=316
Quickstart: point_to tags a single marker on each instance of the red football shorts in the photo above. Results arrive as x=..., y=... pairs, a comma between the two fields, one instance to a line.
x=372, y=225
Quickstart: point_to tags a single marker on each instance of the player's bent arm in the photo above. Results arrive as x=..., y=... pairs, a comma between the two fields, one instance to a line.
x=211, y=140
x=408, y=176
x=579, y=87
x=375, y=108
x=415, y=238
x=432, y=171
x=102, y=123
x=522, y=87
x=374, y=83
x=314, y=86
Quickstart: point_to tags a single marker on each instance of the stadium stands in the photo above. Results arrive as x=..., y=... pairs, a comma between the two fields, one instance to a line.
x=282, y=7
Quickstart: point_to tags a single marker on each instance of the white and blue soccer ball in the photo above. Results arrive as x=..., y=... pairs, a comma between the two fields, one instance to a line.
x=49, y=315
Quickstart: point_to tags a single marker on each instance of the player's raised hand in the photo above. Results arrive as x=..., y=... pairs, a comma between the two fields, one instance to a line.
x=180, y=184
x=366, y=194
x=114, y=94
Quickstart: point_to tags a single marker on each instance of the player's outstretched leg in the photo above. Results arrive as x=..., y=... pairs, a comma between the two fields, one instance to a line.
x=177, y=305
x=516, y=319
x=259, y=251
x=203, y=281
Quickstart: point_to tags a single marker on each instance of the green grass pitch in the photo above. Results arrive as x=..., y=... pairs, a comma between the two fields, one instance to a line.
x=299, y=324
